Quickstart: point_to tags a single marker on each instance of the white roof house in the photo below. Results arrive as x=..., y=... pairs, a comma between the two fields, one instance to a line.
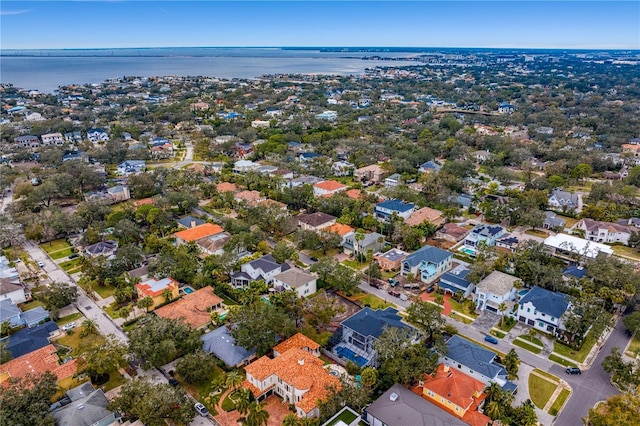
x=569, y=244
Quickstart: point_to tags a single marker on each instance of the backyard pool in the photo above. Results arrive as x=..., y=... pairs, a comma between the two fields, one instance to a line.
x=188, y=290
x=468, y=251
x=347, y=353
x=523, y=293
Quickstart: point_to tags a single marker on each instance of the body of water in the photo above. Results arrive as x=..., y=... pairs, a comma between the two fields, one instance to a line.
x=45, y=70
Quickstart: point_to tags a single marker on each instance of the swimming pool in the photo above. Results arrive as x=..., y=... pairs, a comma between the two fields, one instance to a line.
x=188, y=290
x=347, y=353
x=468, y=251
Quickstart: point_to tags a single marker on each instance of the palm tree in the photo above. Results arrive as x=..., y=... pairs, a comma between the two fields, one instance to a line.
x=502, y=308
x=166, y=293
x=146, y=303
x=244, y=401
x=90, y=327
x=233, y=379
x=258, y=416
x=290, y=420
x=493, y=410
x=359, y=236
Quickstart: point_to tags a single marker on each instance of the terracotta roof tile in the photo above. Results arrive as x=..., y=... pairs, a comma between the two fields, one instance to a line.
x=340, y=229
x=299, y=341
x=39, y=361
x=144, y=201
x=330, y=185
x=354, y=193
x=248, y=196
x=194, y=307
x=454, y=385
x=200, y=231
x=226, y=187
x=430, y=215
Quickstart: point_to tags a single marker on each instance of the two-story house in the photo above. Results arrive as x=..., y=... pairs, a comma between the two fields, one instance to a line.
x=385, y=210
x=296, y=279
x=483, y=233
x=456, y=282
x=160, y=291
x=315, y=221
x=210, y=238
x=52, y=139
x=543, y=309
x=327, y=188
x=427, y=263
x=493, y=290
x=355, y=242
x=563, y=200
x=97, y=135
x=130, y=167
x=370, y=174
x=264, y=268
x=603, y=232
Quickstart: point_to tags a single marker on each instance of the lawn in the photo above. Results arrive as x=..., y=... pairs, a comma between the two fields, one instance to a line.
x=546, y=374
x=467, y=307
x=580, y=355
x=540, y=390
x=559, y=402
x=531, y=339
x=104, y=291
x=31, y=304
x=374, y=302
x=60, y=253
x=508, y=324
x=229, y=402
x=634, y=347
x=72, y=264
x=115, y=379
x=561, y=361
x=55, y=245
x=201, y=391
x=65, y=320
x=354, y=264
x=537, y=233
x=497, y=333
x=460, y=318
x=624, y=251
x=527, y=346
x=347, y=416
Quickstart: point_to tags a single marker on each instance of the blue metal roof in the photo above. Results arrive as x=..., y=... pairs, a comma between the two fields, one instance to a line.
x=575, y=271
x=548, y=302
x=222, y=344
x=186, y=221
x=473, y=356
x=30, y=339
x=427, y=254
x=455, y=282
x=396, y=205
x=368, y=322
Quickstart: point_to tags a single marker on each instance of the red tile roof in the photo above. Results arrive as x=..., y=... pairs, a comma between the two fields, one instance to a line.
x=198, y=232
x=330, y=185
x=299, y=341
x=226, y=187
x=37, y=362
x=340, y=229
x=145, y=289
x=194, y=307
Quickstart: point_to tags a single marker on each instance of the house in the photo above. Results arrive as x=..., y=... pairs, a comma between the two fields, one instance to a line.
x=161, y=291
x=242, y=149
x=341, y=230
x=481, y=156
x=603, y=232
x=372, y=174
x=353, y=340
x=423, y=215
x=27, y=141
x=315, y=221
x=506, y=108
x=102, y=248
x=260, y=124
x=244, y=166
x=400, y=406
x=327, y=188
x=296, y=279
x=507, y=243
x=35, y=316
x=226, y=187
x=74, y=137
x=483, y=233
x=28, y=340
x=391, y=260
x=222, y=345
x=88, y=407
x=429, y=167
x=306, y=157
x=385, y=210
x=342, y=168
x=97, y=135
x=209, y=238
x=10, y=314
x=52, y=139
x=476, y=361
x=574, y=271
x=38, y=362
x=304, y=180
x=13, y=290
x=327, y=115
x=295, y=374
x=190, y=222
x=297, y=341
x=427, y=263
x=119, y=193
x=455, y=392
x=563, y=200
x=572, y=248
x=130, y=167
x=7, y=271
x=248, y=196
x=452, y=232
x=543, y=309
x=264, y=268
x=631, y=148
x=552, y=221
x=493, y=290
x=371, y=241
x=194, y=308
x=456, y=282
x=393, y=180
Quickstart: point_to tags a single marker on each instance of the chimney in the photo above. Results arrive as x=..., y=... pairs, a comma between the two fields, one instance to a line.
x=193, y=223
x=446, y=368
x=301, y=361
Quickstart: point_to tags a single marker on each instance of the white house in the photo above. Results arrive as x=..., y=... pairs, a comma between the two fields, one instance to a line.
x=569, y=246
x=385, y=210
x=12, y=289
x=52, y=139
x=506, y=108
x=427, y=263
x=393, y=180
x=296, y=279
x=543, y=309
x=563, y=200
x=495, y=289
x=328, y=116
x=327, y=188
x=603, y=232
x=342, y=168
x=264, y=268
x=97, y=135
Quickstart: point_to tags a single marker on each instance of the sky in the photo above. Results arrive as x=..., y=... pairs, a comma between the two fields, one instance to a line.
x=516, y=24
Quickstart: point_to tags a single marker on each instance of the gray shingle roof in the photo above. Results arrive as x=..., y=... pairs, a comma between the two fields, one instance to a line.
x=220, y=343
x=368, y=322
x=548, y=302
x=86, y=410
x=427, y=254
x=30, y=339
x=473, y=356
x=497, y=283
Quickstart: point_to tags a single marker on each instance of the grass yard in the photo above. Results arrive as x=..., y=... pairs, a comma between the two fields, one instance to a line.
x=71, y=265
x=634, y=347
x=527, y=346
x=530, y=339
x=55, y=245
x=374, y=302
x=73, y=340
x=201, y=391
x=546, y=374
x=115, y=379
x=65, y=320
x=104, y=291
x=506, y=325
x=537, y=233
x=499, y=334
x=467, y=307
x=628, y=252
x=347, y=416
x=540, y=390
x=559, y=402
x=355, y=264
x=229, y=402
x=561, y=361
x=31, y=304
x=569, y=221
x=60, y=253
x=460, y=318
x=580, y=355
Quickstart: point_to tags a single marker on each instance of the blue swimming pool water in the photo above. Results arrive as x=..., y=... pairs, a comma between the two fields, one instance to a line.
x=347, y=353
x=188, y=290
x=467, y=251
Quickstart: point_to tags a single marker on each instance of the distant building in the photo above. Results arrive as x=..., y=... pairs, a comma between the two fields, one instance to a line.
x=506, y=108
x=495, y=289
x=102, y=248
x=161, y=291
x=97, y=135
x=427, y=263
x=386, y=209
x=315, y=221
x=327, y=188
x=130, y=167
x=563, y=200
x=264, y=268
x=603, y=232
x=373, y=174
x=52, y=139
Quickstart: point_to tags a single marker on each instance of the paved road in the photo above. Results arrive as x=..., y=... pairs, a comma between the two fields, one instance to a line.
x=591, y=386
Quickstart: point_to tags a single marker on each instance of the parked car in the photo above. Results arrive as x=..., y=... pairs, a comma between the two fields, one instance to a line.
x=573, y=370
x=431, y=289
x=404, y=297
x=40, y=264
x=73, y=255
x=375, y=284
x=313, y=259
x=491, y=339
x=69, y=326
x=173, y=382
x=393, y=293
x=393, y=282
x=201, y=409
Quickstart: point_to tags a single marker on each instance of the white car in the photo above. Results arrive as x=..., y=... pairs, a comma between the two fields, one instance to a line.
x=201, y=409
x=40, y=264
x=69, y=326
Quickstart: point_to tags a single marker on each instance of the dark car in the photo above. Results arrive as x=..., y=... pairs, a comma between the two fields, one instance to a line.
x=573, y=370
x=313, y=259
x=73, y=255
x=394, y=293
x=431, y=289
x=491, y=339
x=375, y=284
x=173, y=382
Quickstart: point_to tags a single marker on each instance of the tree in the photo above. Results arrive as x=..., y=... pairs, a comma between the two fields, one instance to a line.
x=153, y=403
x=89, y=326
x=632, y=321
x=257, y=416
x=493, y=410
x=101, y=356
x=502, y=308
x=282, y=251
x=581, y=171
x=625, y=374
x=233, y=380
x=196, y=367
x=162, y=340
x=259, y=324
x=5, y=355
x=427, y=318
x=26, y=400
x=618, y=410
x=369, y=377
x=145, y=303
x=341, y=394
x=245, y=398
x=57, y=295
x=512, y=364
